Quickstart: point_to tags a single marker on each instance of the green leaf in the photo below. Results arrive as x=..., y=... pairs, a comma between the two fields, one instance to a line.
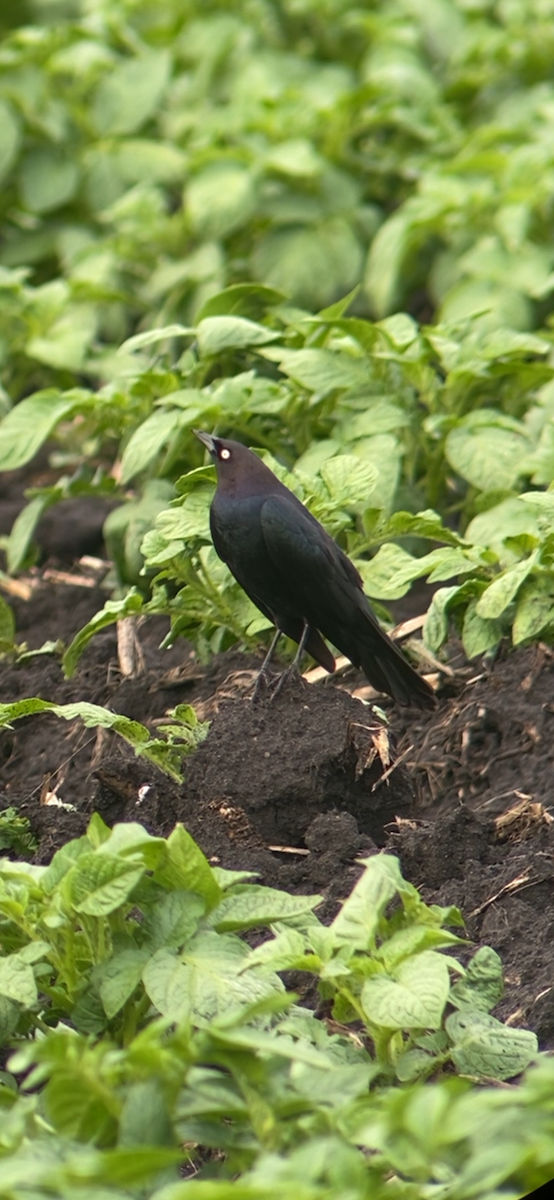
x=482, y=986
x=349, y=480
x=10, y=136
x=508, y=519
x=535, y=609
x=152, y=336
x=241, y=300
x=186, y=868
x=118, y=978
x=22, y=532
x=113, y=610
x=147, y=441
x=500, y=593
x=312, y=266
x=173, y=919
x=260, y=906
x=382, y=574
x=7, y=625
x=48, y=180
x=98, y=884
x=482, y=1046
x=488, y=458
x=167, y=983
x=231, y=333
x=322, y=370
x=17, y=980
x=9, y=1018
x=386, y=256
x=221, y=199
x=296, y=157
x=435, y=630
x=480, y=634
x=356, y=923
x=131, y=92
x=414, y=998
x=27, y=426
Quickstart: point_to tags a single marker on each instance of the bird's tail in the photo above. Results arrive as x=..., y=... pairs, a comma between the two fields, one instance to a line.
x=388, y=670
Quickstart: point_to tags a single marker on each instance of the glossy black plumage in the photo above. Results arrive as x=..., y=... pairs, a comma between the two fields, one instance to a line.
x=296, y=574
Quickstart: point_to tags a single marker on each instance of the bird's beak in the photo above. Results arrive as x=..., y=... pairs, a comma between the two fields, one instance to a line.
x=206, y=439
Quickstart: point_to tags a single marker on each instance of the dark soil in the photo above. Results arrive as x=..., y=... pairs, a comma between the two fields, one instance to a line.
x=300, y=787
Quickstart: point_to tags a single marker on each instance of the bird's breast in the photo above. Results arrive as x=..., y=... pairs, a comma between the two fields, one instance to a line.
x=237, y=533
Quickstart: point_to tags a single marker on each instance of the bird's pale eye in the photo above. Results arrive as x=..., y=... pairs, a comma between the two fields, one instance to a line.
x=225, y=454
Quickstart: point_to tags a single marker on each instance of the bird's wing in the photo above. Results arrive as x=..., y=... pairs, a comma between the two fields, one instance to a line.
x=316, y=571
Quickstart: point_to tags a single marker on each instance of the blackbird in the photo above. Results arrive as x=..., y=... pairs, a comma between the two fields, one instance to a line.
x=296, y=574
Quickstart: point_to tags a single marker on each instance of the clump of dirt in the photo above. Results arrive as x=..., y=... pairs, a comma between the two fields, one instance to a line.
x=299, y=787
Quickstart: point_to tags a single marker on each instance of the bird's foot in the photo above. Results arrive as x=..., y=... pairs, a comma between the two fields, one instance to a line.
x=289, y=675
x=263, y=685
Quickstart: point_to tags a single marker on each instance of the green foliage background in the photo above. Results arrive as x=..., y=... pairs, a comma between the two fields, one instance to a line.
x=327, y=228
x=190, y=168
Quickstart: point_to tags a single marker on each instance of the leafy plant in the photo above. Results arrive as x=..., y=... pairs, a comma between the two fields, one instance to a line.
x=15, y=833
x=183, y=731
x=143, y=1023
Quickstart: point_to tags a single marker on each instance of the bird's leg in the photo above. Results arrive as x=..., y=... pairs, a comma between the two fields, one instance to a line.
x=262, y=673
x=295, y=664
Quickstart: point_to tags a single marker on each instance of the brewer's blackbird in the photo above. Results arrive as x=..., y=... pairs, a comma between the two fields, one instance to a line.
x=296, y=574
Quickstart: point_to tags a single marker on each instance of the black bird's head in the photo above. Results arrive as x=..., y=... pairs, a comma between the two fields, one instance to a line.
x=239, y=471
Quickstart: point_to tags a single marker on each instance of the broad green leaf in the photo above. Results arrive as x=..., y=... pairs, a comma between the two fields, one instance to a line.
x=480, y=634
x=147, y=441
x=113, y=610
x=501, y=591
x=208, y=980
x=142, y=160
x=67, y=342
x=435, y=630
x=488, y=458
x=22, y=532
x=27, y=426
x=535, y=609
x=186, y=868
x=130, y=92
x=482, y=986
x=259, y=906
x=387, y=576
x=312, y=266
x=249, y=300
x=231, y=333
x=9, y=1018
x=349, y=480
x=17, y=980
x=507, y=519
x=189, y=519
x=128, y=837
x=221, y=199
x=413, y=940
x=357, y=922
x=7, y=624
x=152, y=336
x=167, y=983
x=173, y=919
x=118, y=977
x=483, y=1046
x=322, y=370
x=386, y=256
x=98, y=884
x=9, y=138
x=414, y=998
x=48, y=180
x=296, y=157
